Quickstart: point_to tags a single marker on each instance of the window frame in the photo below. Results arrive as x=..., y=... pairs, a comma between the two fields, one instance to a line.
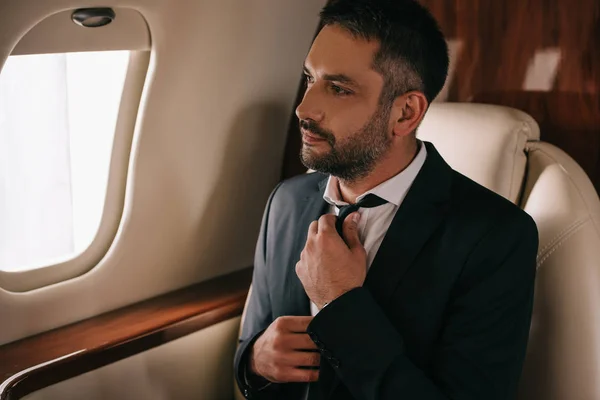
x=114, y=201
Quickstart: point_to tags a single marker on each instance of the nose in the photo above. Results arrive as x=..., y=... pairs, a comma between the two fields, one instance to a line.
x=310, y=107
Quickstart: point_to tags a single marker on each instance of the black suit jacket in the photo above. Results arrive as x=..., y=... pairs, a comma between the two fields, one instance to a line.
x=444, y=312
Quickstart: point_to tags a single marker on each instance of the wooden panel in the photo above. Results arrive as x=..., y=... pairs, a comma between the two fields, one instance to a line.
x=82, y=347
x=503, y=47
x=541, y=56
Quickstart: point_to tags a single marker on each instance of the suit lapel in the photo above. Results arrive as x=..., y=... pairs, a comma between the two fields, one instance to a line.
x=313, y=207
x=418, y=217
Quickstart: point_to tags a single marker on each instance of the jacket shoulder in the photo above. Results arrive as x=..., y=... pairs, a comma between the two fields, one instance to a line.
x=299, y=186
x=482, y=204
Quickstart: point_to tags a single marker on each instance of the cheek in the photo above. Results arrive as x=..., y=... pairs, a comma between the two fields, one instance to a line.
x=346, y=122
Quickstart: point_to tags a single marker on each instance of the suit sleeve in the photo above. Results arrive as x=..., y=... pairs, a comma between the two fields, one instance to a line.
x=258, y=314
x=482, y=344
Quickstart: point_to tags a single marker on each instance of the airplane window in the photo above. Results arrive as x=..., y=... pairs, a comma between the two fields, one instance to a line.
x=57, y=120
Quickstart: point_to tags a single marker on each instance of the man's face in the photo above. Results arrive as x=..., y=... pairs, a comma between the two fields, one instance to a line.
x=345, y=130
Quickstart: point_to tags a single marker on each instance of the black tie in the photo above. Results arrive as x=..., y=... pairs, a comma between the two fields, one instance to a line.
x=369, y=201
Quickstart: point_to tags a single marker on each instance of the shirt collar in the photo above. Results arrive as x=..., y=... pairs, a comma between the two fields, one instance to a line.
x=393, y=190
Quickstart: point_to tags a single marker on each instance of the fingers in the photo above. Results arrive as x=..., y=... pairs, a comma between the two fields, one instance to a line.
x=298, y=375
x=285, y=352
x=327, y=223
x=313, y=228
x=293, y=367
x=292, y=324
x=300, y=341
x=287, y=342
x=300, y=359
x=350, y=230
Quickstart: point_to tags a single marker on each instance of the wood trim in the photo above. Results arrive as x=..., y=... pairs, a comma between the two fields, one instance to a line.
x=42, y=360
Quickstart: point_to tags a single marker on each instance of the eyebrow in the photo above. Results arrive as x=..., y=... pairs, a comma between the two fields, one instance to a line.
x=336, y=77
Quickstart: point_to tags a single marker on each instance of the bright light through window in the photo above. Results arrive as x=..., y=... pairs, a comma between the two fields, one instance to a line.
x=57, y=121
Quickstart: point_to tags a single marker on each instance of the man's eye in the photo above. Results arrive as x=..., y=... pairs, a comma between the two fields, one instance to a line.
x=308, y=78
x=339, y=90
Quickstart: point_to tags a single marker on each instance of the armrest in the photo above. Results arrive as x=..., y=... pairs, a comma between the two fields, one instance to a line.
x=42, y=360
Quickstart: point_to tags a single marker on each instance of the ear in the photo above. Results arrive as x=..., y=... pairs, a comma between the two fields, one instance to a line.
x=408, y=110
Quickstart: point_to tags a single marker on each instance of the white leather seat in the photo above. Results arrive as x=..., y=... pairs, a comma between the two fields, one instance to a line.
x=499, y=147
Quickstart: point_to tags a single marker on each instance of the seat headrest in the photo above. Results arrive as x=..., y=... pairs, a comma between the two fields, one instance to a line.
x=484, y=142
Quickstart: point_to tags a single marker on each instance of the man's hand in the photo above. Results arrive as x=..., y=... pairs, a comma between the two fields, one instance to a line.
x=284, y=351
x=328, y=267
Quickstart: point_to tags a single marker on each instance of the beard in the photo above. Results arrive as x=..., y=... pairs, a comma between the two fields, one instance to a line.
x=353, y=157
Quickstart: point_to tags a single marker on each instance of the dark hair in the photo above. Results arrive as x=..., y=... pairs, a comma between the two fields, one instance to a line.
x=413, y=53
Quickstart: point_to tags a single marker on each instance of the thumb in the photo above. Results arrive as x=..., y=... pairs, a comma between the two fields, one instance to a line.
x=350, y=230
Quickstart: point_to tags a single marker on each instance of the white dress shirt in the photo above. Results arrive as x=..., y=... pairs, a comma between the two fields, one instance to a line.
x=374, y=222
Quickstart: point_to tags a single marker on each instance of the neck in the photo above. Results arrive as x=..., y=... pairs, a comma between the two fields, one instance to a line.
x=389, y=166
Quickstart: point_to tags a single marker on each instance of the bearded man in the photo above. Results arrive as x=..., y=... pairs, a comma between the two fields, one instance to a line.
x=385, y=274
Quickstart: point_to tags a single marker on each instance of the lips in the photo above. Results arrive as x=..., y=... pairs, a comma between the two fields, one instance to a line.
x=311, y=137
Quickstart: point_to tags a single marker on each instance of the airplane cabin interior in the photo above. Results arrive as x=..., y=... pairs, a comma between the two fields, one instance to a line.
x=140, y=141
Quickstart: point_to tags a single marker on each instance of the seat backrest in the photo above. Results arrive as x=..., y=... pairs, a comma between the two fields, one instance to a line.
x=499, y=148
x=563, y=356
x=484, y=142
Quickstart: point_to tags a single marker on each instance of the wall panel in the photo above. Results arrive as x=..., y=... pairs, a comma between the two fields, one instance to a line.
x=541, y=56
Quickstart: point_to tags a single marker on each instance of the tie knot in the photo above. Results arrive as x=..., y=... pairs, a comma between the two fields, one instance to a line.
x=369, y=201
